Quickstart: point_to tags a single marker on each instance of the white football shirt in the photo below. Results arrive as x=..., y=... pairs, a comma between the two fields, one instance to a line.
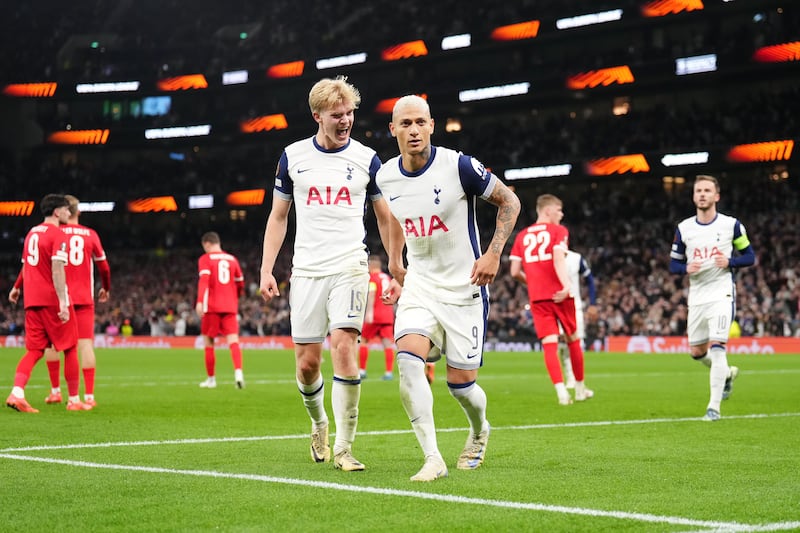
x=577, y=268
x=329, y=189
x=696, y=241
x=436, y=208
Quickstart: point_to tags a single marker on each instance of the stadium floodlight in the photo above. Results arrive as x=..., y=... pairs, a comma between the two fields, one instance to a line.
x=689, y=158
x=549, y=171
x=178, y=131
x=452, y=42
x=96, y=207
x=201, y=201
x=340, y=61
x=587, y=20
x=499, y=91
x=696, y=64
x=235, y=77
x=108, y=87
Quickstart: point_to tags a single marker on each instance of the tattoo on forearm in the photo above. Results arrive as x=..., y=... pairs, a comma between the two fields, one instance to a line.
x=507, y=212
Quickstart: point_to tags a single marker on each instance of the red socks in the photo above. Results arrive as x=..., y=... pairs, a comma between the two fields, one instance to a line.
x=236, y=355
x=576, y=356
x=552, y=362
x=210, y=360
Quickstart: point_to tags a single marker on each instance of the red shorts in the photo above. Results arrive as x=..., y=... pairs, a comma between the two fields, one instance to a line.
x=547, y=314
x=216, y=324
x=43, y=329
x=377, y=331
x=85, y=316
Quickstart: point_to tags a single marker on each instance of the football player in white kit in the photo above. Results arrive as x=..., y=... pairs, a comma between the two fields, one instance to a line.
x=703, y=248
x=329, y=178
x=443, y=298
x=577, y=268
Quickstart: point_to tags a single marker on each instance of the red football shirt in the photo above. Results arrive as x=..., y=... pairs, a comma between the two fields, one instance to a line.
x=84, y=250
x=381, y=313
x=221, y=282
x=43, y=244
x=534, y=247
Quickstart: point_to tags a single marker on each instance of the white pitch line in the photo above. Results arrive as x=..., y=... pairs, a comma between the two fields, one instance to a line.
x=620, y=515
x=211, y=440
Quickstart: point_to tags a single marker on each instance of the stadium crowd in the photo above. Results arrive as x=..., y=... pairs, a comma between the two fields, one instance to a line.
x=624, y=231
x=623, y=226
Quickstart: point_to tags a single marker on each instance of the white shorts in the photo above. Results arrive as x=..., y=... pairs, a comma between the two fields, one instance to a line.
x=319, y=305
x=458, y=331
x=710, y=322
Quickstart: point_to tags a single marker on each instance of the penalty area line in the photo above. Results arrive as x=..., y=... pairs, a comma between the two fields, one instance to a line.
x=596, y=513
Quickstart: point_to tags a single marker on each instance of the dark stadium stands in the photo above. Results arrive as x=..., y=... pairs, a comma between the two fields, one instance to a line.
x=622, y=223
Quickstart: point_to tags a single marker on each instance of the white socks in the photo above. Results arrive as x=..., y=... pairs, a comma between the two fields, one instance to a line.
x=718, y=374
x=314, y=401
x=417, y=399
x=473, y=401
x=345, y=394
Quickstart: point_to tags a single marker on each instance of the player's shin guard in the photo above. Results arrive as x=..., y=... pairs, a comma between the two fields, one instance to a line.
x=576, y=358
x=88, y=381
x=388, y=358
x=473, y=401
x=236, y=356
x=345, y=394
x=314, y=401
x=417, y=399
x=54, y=371
x=72, y=371
x=552, y=362
x=210, y=361
x=718, y=374
x=25, y=367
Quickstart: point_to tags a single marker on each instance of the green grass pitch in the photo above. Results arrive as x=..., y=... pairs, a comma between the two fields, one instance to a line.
x=161, y=454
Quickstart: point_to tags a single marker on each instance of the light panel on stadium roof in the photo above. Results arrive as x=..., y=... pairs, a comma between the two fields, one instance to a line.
x=178, y=131
x=549, y=171
x=235, y=77
x=340, y=61
x=453, y=42
x=201, y=201
x=89, y=207
x=696, y=64
x=499, y=91
x=587, y=20
x=689, y=158
x=107, y=87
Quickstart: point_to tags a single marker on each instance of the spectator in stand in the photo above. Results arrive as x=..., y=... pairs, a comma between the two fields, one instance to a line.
x=219, y=287
x=49, y=318
x=378, y=320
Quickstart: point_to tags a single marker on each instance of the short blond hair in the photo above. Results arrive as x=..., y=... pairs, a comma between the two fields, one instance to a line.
x=547, y=199
x=327, y=93
x=73, y=204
